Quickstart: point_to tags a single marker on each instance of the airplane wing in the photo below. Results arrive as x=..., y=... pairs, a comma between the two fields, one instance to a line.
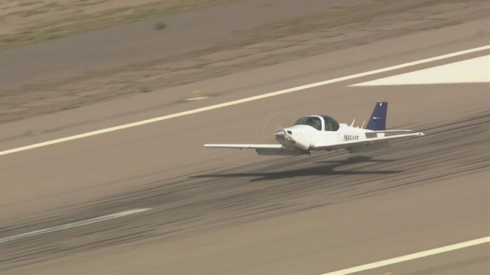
x=389, y=131
x=245, y=146
x=366, y=142
x=261, y=149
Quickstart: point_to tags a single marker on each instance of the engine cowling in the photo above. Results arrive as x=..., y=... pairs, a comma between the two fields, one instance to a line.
x=294, y=141
x=299, y=142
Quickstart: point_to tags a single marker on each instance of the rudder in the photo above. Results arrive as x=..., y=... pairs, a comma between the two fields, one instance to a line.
x=377, y=121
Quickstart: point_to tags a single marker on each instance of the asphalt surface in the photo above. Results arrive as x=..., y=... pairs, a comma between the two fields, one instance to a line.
x=232, y=212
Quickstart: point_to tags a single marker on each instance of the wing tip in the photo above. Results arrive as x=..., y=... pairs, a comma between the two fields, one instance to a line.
x=208, y=145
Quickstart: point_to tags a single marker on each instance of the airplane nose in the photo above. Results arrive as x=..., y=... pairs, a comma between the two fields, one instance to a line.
x=281, y=135
x=291, y=139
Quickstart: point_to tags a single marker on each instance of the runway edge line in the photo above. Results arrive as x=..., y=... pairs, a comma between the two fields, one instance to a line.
x=410, y=257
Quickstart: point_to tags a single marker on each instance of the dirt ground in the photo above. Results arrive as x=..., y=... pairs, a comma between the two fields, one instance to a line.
x=24, y=22
x=134, y=61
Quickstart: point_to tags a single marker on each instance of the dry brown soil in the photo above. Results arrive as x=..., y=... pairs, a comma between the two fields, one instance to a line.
x=241, y=35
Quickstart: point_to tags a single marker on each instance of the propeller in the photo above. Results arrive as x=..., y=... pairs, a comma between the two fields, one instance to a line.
x=274, y=123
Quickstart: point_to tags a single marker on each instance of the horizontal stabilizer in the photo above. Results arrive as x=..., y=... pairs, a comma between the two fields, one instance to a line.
x=391, y=131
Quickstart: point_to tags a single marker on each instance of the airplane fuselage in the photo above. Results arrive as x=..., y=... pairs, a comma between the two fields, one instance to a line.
x=304, y=137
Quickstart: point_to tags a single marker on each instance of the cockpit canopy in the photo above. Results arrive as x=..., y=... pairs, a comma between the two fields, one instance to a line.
x=321, y=123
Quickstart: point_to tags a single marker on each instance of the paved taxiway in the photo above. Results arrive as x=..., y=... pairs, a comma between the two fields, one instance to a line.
x=222, y=212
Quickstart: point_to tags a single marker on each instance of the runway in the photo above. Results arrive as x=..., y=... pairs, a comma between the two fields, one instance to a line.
x=198, y=211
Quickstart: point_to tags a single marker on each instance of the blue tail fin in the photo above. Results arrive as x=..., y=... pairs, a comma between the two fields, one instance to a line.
x=377, y=121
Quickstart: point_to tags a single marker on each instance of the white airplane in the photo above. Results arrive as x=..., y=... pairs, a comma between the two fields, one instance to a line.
x=314, y=133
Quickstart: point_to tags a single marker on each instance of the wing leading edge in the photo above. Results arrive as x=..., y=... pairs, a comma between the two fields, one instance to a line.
x=261, y=149
x=245, y=146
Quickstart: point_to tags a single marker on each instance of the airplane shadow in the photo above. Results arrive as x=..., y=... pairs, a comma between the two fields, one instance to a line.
x=328, y=170
x=356, y=159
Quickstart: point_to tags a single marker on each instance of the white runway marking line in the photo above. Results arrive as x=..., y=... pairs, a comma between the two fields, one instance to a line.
x=411, y=256
x=474, y=70
x=196, y=98
x=73, y=224
x=239, y=101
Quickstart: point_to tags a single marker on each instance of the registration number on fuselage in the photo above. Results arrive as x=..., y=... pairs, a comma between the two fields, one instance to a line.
x=351, y=137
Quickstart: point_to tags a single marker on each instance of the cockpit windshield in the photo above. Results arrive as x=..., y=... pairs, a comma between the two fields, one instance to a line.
x=314, y=122
x=330, y=124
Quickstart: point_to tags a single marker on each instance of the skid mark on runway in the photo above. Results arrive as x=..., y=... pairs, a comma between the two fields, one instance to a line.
x=72, y=225
x=264, y=189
